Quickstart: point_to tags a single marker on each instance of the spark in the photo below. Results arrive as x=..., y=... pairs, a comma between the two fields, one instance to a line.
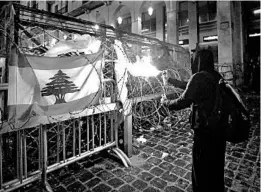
x=143, y=67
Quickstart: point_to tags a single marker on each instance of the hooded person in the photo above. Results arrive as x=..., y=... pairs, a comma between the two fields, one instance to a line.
x=208, y=153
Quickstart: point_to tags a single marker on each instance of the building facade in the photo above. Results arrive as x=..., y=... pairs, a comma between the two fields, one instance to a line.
x=231, y=29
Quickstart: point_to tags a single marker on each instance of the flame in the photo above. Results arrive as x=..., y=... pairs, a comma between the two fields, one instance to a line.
x=143, y=67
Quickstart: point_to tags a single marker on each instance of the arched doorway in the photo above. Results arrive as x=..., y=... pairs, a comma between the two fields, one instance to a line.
x=153, y=24
x=122, y=18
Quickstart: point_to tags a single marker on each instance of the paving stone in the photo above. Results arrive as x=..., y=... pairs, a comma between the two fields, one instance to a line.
x=95, y=170
x=179, y=171
x=167, y=166
x=101, y=188
x=157, y=154
x=128, y=178
x=257, y=182
x=93, y=182
x=151, y=189
x=158, y=183
x=242, y=177
x=173, y=189
x=171, y=146
x=126, y=188
x=156, y=171
x=180, y=162
x=174, y=140
x=170, y=159
x=229, y=173
x=232, y=166
x=248, y=171
x=232, y=159
x=248, y=163
x=174, y=153
x=86, y=176
x=154, y=140
x=148, y=150
x=68, y=181
x=161, y=148
x=228, y=182
x=250, y=157
x=115, y=182
x=237, y=154
x=146, y=166
x=52, y=180
x=76, y=187
x=109, y=166
x=144, y=156
x=188, y=176
x=59, y=189
x=179, y=155
x=162, y=142
x=139, y=184
x=189, y=167
x=185, y=150
x=189, y=188
x=151, y=144
x=254, y=189
x=105, y=175
x=64, y=174
x=135, y=151
x=133, y=170
x=118, y=172
x=187, y=158
x=169, y=177
x=182, y=183
x=145, y=176
x=154, y=160
x=240, y=186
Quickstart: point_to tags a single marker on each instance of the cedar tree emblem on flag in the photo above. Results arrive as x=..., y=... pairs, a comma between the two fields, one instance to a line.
x=59, y=86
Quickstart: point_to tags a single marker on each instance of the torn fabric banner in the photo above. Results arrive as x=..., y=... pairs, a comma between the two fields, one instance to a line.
x=46, y=89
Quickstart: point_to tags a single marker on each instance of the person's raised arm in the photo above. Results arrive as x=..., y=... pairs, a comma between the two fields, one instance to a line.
x=191, y=94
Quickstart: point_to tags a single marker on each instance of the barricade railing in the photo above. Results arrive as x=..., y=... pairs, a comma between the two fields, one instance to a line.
x=32, y=153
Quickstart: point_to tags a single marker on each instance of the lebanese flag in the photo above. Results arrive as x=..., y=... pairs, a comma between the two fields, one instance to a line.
x=43, y=90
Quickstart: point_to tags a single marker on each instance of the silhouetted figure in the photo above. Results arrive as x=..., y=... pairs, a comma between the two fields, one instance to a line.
x=209, y=142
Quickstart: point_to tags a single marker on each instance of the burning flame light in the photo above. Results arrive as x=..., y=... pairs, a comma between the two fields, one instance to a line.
x=119, y=20
x=53, y=41
x=96, y=27
x=143, y=68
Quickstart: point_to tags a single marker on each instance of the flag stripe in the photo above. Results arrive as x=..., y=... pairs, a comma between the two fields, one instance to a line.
x=55, y=63
x=26, y=111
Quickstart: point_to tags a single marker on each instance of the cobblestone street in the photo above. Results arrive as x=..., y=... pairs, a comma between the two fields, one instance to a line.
x=163, y=163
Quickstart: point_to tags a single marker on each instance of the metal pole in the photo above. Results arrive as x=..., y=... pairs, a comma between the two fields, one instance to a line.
x=1, y=163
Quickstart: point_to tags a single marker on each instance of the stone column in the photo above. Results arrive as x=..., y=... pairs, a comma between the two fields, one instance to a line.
x=159, y=22
x=172, y=22
x=193, y=24
x=136, y=28
x=136, y=25
x=229, y=29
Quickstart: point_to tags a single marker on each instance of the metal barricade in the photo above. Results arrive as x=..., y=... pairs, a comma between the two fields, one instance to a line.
x=32, y=153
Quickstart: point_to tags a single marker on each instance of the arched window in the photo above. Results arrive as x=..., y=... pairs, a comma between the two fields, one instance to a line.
x=125, y=25
x=148, y=23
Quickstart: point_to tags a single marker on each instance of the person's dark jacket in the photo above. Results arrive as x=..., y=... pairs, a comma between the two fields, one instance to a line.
x=208, y=152
x=200, y=89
